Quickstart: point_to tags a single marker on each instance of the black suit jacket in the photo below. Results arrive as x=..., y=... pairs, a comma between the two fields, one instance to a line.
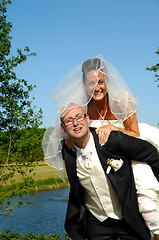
x=118, y=146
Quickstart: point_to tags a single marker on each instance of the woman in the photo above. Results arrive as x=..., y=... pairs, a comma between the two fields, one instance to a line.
x=97, y=85
x=111, y=106
x=105, y=119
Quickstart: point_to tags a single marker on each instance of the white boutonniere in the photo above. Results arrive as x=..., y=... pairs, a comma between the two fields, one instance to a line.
x=114, y=163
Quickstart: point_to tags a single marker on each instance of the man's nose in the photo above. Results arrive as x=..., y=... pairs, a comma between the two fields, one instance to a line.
x=75, y=122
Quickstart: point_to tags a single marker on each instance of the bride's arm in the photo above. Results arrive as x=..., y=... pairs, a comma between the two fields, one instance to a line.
x=131, y=129
x=70, y=144
x=131, y=126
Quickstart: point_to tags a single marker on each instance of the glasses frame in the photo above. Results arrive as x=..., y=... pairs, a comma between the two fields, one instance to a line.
x=73, y=118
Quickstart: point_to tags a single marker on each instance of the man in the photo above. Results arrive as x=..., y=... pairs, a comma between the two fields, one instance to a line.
x=103, y=202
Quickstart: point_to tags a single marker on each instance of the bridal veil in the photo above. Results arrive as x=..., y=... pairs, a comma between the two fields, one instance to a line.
x=71, y=89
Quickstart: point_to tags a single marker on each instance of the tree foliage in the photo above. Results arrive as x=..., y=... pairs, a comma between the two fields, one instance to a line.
x=16, y=111
x=155, y=68
x=26, y=146
x=15, y=104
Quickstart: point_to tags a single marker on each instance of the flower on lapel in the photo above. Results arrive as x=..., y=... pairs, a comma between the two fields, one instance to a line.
x=114, y=163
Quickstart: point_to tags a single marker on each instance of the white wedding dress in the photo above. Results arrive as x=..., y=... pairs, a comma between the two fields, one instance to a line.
x=147, y=185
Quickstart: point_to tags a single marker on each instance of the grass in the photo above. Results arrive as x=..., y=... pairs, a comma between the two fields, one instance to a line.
x=44, y=176
x=41, y=171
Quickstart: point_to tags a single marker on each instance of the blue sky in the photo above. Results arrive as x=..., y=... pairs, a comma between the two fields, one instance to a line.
x=65, y=33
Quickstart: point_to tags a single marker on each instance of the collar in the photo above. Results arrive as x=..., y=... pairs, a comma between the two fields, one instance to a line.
x=88, y=148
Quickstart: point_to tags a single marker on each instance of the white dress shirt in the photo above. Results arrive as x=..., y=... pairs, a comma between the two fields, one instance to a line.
x=100, y=197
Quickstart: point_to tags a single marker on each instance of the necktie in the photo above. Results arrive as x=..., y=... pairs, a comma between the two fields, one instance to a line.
x=87, y=156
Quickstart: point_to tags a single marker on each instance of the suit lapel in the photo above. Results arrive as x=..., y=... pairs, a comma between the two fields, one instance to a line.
x=103, y=152
x=116, y=178
x=70, y=163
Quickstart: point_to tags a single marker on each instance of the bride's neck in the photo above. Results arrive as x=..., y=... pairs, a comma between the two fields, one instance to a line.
x=102, y=104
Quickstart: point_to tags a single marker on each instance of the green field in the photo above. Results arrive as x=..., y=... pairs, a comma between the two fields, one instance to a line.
x=40, y=171
x=45, y=177
x=43, y=171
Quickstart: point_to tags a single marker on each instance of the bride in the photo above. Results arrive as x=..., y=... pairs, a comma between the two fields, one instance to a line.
x=98, y=86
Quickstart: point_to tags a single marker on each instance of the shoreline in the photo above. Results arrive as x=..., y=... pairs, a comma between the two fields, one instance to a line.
x=51, y=187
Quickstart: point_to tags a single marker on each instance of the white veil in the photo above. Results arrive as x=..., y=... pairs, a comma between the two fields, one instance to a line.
x=71, y=89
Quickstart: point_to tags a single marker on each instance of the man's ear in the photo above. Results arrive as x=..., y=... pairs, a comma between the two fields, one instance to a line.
x=88, y=119
x=62, y=127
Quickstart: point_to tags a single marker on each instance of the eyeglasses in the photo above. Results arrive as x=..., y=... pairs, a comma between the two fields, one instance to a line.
x=79, y=118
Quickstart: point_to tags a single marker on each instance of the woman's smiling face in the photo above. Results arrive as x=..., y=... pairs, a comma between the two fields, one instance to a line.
x=95, y=85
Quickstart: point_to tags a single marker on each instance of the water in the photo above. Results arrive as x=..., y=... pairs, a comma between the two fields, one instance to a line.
x=46, y=215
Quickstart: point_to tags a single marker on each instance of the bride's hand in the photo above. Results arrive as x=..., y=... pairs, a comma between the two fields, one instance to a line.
x=104, y=132
x=70, y=144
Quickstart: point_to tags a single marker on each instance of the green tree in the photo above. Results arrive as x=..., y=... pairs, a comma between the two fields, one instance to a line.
x=16, y=111
x=155, y=68
x=26, y=146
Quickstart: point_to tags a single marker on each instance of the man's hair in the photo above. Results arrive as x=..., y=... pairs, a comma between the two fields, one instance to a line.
x=68, y=106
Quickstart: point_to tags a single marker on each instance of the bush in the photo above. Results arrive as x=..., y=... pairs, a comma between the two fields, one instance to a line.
x=8, y=235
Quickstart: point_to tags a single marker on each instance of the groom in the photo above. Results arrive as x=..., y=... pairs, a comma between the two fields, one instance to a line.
x=103, y=202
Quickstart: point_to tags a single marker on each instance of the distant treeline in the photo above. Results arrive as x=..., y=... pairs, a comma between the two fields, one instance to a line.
x=26, y=145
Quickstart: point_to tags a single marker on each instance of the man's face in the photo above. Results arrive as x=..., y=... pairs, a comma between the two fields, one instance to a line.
x=75, y=123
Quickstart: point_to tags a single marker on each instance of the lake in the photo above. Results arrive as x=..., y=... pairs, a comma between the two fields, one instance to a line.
x=46, y=215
